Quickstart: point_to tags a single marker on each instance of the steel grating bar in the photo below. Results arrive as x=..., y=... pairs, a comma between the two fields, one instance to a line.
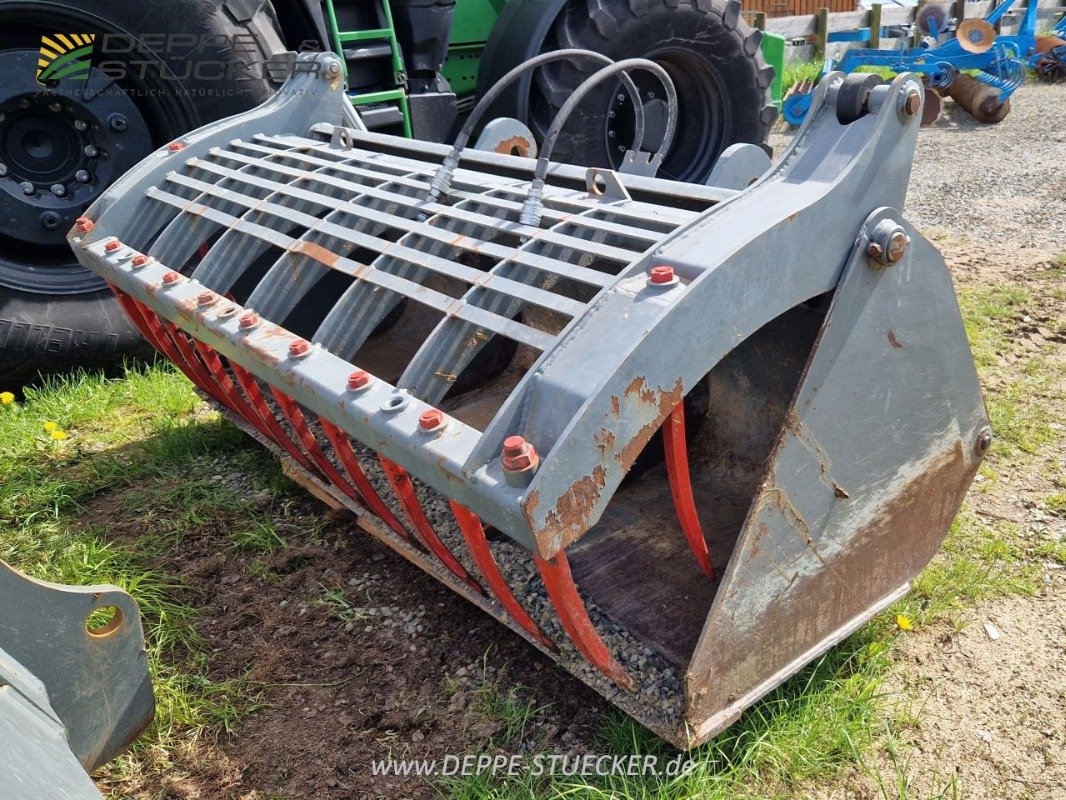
x=430, y=232
x=489, y=223
x=358, y=312
x=636, y=212
x=416, y=257
x=178, y=241
x=445, y=304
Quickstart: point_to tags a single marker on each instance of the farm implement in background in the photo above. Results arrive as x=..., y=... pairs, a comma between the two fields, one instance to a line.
x=998, y=63
x=681, y=437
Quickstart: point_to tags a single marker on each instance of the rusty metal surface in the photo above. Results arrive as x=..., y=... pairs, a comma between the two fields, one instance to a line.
x=979, y=99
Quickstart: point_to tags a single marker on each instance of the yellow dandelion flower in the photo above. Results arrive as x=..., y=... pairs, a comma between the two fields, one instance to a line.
x=59, y=435
x=903, y=623
x=50, y=426
x=6, y=398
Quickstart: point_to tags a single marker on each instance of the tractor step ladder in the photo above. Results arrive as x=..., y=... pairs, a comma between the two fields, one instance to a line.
x=371, y=53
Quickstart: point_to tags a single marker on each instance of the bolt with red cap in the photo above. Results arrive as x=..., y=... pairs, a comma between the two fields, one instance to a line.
x=248, y=321
x=519, y=460
x=432, y=420
x=299, y=348
x=662, y=276
x=358, y=380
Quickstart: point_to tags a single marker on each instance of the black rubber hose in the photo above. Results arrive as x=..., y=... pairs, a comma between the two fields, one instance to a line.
x=531, y=210
x=443, y=178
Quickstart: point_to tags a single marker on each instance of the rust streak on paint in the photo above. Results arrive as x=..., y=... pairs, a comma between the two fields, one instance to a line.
x=892, y=340
x=664, y=401
x=568, y=521
x=317, y=252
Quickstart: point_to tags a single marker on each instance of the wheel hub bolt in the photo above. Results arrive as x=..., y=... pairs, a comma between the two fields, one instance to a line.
x=50, y=220
x=24, y=102
x=3, y=170
x=27, y=187
x=55, y=107
x=81, y=125
x=117, y=122
x=81, y=176
x=59, y=189
x=90, y=151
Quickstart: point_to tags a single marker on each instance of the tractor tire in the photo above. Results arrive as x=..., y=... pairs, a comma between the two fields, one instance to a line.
x=710, y=53
x=60, y=148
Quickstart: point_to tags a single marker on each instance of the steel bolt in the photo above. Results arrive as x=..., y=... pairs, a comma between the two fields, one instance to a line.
x=139, y=260
x=175, y=147
x=50, y=220
x=83, y=224
x=897, y=246
x=55, y=108
x=91, y=151
x=81, y=176
x=81, y=125
x=359, y=379
x=912, y=103
x=117, y=122
x=3, y=170
x=430, y=420
x=519, y=455
x=249, y=320
x=206, y=297
x=170, y=278
x=874, y=250
x=112, y=245
x=333, y=69
x=28, y=188
x=301, y=347
x=984, y=439
x=661, y=274
x=59, y=189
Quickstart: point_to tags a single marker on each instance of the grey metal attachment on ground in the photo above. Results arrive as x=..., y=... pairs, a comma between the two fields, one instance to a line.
x=73, y=694
x=772, y=375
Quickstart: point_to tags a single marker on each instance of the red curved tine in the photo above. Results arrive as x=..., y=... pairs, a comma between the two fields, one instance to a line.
x=674, y=443
x=310, y=444
x=269, y=425
x=474, y=534
x=575, y=619
x=343, y=448
x=400, y=482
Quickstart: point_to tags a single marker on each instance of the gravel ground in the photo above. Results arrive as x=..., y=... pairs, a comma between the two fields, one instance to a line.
x=1002, y=186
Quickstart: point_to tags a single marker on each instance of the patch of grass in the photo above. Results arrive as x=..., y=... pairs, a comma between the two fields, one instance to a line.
x=131, y=446
x=336, y=601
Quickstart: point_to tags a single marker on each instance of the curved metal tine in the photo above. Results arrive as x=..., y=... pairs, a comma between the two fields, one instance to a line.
x=235, y=251
x=275, y=297
x=401, y=484
x=574, y=617
x=474, y=535
x=271, y=427
x=454, y=343
x=237, y=401
x=676, y=457
x=295, y=416
x=361, y=309
x=342, y=446
x=186, y=232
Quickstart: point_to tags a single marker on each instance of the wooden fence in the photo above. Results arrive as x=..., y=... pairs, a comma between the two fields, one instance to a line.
x=809, y=35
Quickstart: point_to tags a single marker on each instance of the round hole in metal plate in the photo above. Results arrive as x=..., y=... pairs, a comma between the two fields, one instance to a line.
x=103, y=621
